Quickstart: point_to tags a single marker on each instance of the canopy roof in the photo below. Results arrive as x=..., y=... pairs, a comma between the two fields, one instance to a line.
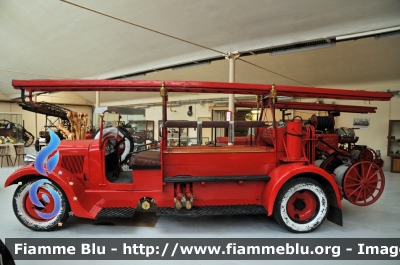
x=196, y=87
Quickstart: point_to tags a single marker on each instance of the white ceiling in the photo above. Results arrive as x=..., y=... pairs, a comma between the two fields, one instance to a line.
x=54, y=39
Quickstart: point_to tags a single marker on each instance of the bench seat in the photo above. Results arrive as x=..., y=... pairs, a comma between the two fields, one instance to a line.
x=147, y=159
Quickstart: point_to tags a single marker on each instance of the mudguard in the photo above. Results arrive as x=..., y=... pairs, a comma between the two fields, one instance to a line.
x=281, y=174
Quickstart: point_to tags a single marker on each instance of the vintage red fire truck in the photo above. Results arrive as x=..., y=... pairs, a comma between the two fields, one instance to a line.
x=273, y=173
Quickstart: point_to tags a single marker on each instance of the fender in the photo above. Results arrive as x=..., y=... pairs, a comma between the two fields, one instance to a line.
x=281, y=174
x=69, y=184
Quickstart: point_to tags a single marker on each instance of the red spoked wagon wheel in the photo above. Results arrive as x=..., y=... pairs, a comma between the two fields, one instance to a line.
x=368, y=154
x=363, y=183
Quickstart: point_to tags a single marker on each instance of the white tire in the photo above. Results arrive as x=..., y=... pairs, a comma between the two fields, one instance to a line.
x=301, y=205
x=49, y=211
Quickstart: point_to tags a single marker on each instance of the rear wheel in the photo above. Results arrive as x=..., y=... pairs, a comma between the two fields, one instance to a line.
x=40, y=205
x=301, y=205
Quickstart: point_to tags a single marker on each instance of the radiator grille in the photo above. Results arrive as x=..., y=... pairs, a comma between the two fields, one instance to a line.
x=73, y=164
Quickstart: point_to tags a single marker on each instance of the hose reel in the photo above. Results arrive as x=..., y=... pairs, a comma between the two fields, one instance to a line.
x=322, y=123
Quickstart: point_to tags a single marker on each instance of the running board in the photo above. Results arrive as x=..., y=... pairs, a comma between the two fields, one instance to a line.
x=115, y=212
x=185, y=178
x=213, y=210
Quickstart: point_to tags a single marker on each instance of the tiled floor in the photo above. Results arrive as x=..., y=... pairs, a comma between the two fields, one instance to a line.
x=381, y=219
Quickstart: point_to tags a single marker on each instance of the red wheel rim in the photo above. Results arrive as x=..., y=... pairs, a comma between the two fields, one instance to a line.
x=30, y=208
x=326, y=164
x=363, y=183
x=333, y=162
x=302, y=206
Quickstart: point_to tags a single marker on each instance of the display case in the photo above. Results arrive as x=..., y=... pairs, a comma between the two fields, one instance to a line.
x=11, y=128
x=141, y=130
x=393, y=149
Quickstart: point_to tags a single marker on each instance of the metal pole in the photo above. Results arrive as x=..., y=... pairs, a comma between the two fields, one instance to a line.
x=96, y=117
x=35, y=128
x=164, y=96
x=232, y=56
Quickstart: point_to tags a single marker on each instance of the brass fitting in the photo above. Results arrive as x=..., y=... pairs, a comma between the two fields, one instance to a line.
x=145, y=205
x=178, y=205
x=273, y=93
x=188, y=205
x=163, y=90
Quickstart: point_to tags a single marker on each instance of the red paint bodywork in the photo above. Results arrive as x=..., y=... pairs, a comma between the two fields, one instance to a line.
x=82, y=163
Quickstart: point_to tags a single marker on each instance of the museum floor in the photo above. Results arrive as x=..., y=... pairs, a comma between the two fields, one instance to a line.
x=380, y=220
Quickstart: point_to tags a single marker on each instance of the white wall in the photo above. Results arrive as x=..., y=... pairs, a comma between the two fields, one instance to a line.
x=179, y=113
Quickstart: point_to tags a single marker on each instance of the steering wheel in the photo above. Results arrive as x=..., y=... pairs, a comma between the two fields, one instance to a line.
x=124, y=143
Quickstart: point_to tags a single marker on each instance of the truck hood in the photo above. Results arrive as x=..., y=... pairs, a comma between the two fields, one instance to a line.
x=75, y=146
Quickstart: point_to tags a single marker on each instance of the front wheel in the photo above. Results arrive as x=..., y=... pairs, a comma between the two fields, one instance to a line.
x=40, y=205
x=301, y=205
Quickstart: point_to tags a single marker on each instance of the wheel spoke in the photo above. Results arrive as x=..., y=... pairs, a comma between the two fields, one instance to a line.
x=375, y=188
x=369, y=169
x=362, y=171
x=353, y=178
x=353, y=185
x=376, y=172
x=359, y=187
x=358, y=174
x=358, y=196
x=369, y=193
x=374, y=181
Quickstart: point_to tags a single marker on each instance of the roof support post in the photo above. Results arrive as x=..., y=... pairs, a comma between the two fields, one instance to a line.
x=35, y=127
x=164, y=96
x=232, y=56
x=96, y=117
